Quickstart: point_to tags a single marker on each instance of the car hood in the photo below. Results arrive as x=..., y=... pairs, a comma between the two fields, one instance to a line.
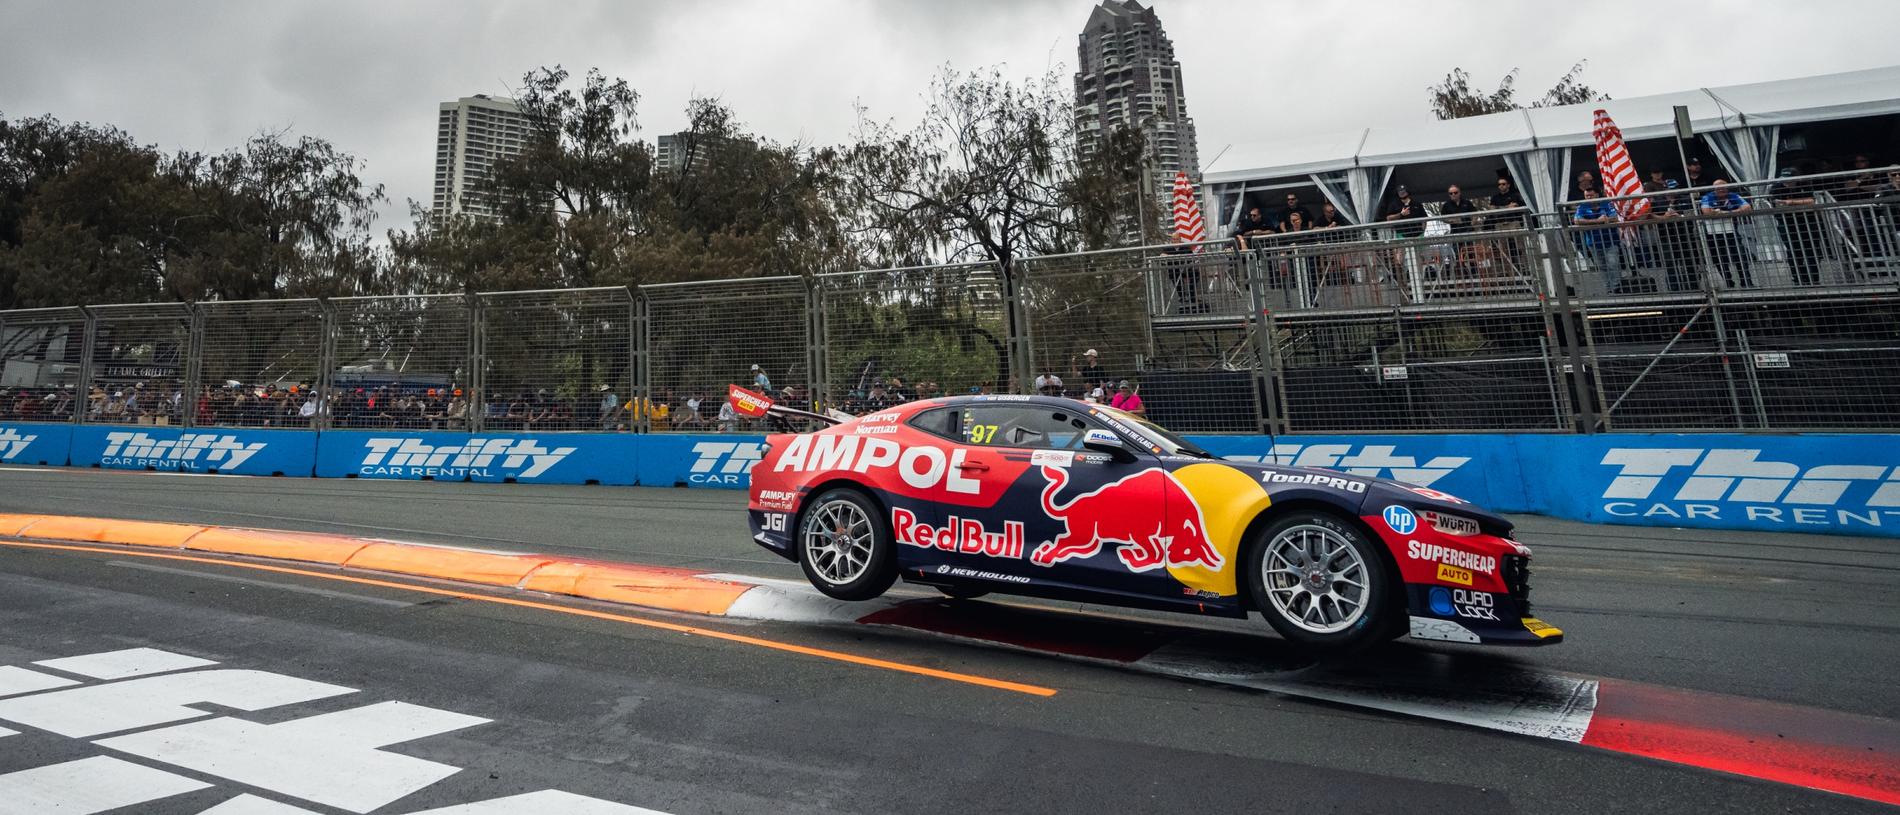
x=1383, y=492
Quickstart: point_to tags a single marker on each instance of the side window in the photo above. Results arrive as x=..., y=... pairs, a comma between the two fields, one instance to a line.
x=1026, y=426
x=939, y=422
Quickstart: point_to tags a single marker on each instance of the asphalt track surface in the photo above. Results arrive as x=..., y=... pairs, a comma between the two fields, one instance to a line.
x=687, y=724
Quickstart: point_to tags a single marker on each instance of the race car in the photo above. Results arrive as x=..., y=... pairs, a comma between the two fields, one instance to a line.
x=1050, y=497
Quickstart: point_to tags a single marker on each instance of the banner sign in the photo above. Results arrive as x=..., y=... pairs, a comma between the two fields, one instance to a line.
x=233, y=450
x=721, y=460
x=35, y=444
x=529, y=458
x=748, y=403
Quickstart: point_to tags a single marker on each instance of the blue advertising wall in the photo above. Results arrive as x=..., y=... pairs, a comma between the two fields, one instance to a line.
x=198, y=450
x=26, y=443
x=528, y=458
x=1845, y=484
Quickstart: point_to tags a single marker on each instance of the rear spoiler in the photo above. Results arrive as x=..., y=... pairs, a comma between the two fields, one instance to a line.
x=759, y=406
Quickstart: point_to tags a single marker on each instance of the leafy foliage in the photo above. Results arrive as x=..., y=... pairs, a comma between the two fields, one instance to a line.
x=1455, y=98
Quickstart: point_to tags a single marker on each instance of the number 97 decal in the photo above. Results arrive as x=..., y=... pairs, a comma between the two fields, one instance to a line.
x=982, y=433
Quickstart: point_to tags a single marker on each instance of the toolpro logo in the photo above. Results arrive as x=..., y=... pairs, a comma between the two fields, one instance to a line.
x=409, y=457
x=1374, y=460
x=726, y=463
x=13, y=443
x=1119, y=513
x=188, y=452
x=1737, y=485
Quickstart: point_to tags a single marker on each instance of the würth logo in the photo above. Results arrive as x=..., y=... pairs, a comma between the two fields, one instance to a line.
x=189, y=451
x=724, y=462
x=413, y=457
x=1703, y=483
x=1375, y=460
x=13, y=443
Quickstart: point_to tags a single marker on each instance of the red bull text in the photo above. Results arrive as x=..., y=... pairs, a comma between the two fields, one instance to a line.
x=958, y=535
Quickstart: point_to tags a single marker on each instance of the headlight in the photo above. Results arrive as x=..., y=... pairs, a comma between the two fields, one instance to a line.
x=1450, y=524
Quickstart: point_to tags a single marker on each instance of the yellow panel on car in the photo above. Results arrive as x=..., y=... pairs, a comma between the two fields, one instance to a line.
x=1540, y=628
x=1225, y=500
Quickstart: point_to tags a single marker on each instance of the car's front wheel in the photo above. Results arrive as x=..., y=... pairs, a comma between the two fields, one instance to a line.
x=845, y=546
x=1320, y=582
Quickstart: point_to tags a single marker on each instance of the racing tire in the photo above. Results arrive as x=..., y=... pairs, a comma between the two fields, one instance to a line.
x=962, y=592
x=845, y=546
x=1322, y=583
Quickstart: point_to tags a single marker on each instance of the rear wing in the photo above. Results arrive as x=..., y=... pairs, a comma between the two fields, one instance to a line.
x=759, y=406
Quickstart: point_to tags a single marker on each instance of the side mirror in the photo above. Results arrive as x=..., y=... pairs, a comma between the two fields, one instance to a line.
x=1103, y=441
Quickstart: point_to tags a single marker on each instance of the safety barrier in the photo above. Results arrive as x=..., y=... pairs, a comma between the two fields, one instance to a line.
x=1834, y=483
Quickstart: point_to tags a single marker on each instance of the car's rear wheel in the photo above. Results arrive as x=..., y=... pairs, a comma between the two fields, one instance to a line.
x=845, y=546
x=962, y=592
x=1320, y=582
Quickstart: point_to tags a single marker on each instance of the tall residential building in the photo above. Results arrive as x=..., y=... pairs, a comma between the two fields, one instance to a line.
x=1127, y=76
x=471, y=134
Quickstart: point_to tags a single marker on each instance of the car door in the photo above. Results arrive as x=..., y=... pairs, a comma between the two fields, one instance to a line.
x=1088, y=518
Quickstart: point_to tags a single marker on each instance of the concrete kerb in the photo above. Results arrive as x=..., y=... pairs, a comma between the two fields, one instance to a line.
x=657, y=587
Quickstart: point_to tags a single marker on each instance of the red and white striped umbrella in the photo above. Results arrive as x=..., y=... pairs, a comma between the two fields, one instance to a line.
x=1188, y=227
x=1619, y=174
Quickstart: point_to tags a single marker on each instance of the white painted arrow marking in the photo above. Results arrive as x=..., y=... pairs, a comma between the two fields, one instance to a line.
x=99, y=709
x=86, y=786
x=125, y=664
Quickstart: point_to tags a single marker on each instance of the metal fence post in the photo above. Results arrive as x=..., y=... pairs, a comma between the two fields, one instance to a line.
x=82, y=399
x=815, y=350
x=1265, y=369
x=1573, y=340
x=326, y=365
x=642, y=383
x=194, y=365
x=1021, y=343
x=477, y=386
x=1721, y=348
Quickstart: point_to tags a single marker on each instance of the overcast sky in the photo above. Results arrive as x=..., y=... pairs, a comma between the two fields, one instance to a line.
x=368, y=75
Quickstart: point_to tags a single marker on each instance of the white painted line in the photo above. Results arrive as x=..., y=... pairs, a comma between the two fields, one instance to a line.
x=455, y=548
x=330, y=759
x=272, y=584
x=95, y=710
x=545, y=802
x=15, y=681
x=125, y=664
x=86, y=786
x=5, y=732
x=252, y=805
x=799, y=605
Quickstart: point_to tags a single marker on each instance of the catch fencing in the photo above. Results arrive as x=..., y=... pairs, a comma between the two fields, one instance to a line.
x=1757, y=307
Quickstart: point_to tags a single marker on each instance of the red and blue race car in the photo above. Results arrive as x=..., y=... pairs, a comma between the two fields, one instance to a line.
x=1051, y=497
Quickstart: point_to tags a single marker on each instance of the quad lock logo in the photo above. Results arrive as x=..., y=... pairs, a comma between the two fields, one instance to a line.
x=726, y=463
x=476, y=458
x=13, y=443
x=189, y=452
x=1735, y=485
x=1374, y=460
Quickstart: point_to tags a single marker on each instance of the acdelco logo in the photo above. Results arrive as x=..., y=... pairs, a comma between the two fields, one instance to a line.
x=13, y=443
x=1775, y=492
x=413, y=457
x=187, y=452
x=1375, y=460
x=724, y=462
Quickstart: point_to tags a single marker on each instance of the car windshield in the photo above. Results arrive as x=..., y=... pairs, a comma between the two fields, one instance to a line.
x=1156, y=435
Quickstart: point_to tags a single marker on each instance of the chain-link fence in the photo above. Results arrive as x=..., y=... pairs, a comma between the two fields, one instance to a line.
x=892, y=335
x=701, y=338
x=1698, y=315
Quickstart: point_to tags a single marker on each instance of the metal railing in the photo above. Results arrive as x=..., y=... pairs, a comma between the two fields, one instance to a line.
x=1785, y=316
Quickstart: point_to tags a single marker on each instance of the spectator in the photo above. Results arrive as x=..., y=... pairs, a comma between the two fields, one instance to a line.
x=1596, y=237
x=1049, y=385
x=1587, y=182
x=1330, y=218
x=1090, y=373
x=760, y=382
x=1127, y=400
x=1721, y=207
x=1096, y=396
x=1800, y=225
x=1675, y=251
x=1251, y=225
x=608, y=408
x=1863, y=184
x=691, y=418
x=1506, y=197
x=1403, y=208
x=1292, y=210
x=1458, y=212
x=728, y=418
x=1693, y=176
x=456, y=416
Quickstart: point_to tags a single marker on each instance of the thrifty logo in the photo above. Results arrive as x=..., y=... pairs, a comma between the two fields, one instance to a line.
x=411, y=456
x=724, y=462
x=13, y=443
x=189, y=451
x=1692, y=483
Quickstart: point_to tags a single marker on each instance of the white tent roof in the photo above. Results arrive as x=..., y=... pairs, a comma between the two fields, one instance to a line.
x=1854, y=94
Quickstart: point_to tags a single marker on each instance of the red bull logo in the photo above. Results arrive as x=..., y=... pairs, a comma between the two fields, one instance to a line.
x=1122, y=513
x=958, y=535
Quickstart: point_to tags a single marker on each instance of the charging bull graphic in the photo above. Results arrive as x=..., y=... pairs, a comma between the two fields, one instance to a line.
x=1108, y=516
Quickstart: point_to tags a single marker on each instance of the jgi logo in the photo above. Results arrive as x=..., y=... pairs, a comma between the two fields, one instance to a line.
x=477, y=458
x=1375, y=460
x=1735, y=485
x=13, y=443
x=189, y=452
x=724, y=463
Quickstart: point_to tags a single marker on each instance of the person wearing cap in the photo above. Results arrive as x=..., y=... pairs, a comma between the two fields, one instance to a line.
x=1252, y=224
x=1801, y=229
x=1049, y=385
x=1090, y=372
x=1693, y=176
x=1674, y=249
x=1404, y=208
x=1718, y=207
x=760, y=382
x=1125, y=399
